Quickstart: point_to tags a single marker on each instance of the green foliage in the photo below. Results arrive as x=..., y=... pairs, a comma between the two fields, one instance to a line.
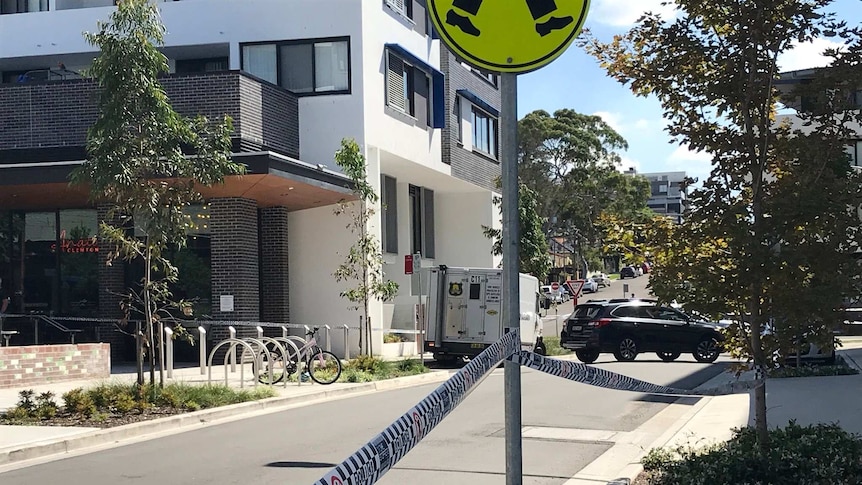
x=363, y=265
x=366, y=369
x=534, y=245
x=552, y=346
x=819, y=454
x=77, y=401
x=144, y=159
x=769, y=234
x=121, y=399
x=355, y=375
x=370, y=364
x=391, y=338
x=570, y=160
x=813, y=371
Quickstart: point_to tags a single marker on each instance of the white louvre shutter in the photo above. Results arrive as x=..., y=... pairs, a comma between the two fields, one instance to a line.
x=395, y=83
x=398, y=5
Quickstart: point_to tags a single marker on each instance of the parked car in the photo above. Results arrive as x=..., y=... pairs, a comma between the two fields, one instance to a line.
x=627, y=327
x=628, y=272
x=646, y=267
x=555, y=297
x=590, y=286
x=601, y=279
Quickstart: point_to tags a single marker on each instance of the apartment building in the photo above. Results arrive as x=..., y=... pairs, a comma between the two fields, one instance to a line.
x=297, y=76
x=667, y=196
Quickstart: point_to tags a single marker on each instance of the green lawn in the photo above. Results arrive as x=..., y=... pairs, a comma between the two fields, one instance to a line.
x=614, y=276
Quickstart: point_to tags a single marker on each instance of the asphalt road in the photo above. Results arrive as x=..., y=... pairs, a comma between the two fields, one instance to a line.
x=297, y=446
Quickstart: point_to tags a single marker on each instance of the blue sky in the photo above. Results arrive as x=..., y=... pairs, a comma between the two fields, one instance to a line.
x=575, y=81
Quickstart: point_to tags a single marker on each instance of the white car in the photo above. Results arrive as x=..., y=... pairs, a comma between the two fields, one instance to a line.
x=590, y=286
x=601, y=279
x=554, y=296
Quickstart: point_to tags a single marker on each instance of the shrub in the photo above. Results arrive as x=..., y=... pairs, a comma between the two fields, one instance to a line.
x=820, y=454
x=552, y=346
x=46, y=408
x=409, y=367
x=77, y=401
x=355, y=375
x=367, y=363
x=391, y=338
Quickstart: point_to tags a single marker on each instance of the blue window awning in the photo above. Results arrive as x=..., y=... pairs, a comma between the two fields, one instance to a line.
x=481, y=103
x=437, y=85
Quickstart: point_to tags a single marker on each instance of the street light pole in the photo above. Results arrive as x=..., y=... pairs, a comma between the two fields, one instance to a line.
x=511, y=268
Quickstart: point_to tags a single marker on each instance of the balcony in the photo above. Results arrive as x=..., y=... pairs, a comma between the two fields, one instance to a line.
x=48, y=121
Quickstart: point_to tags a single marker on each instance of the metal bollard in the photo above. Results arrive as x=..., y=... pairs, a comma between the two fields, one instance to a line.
x=259, y=331
x=326, y=330
x=202, y=342
x=232, y=349
x=346, y=342
x=284, y=331
x=169, y=351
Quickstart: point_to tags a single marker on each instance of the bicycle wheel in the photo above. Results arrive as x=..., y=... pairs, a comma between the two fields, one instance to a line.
x=324, y=367
x=276, y=363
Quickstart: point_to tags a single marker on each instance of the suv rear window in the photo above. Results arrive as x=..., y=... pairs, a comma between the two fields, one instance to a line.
x=586, y=311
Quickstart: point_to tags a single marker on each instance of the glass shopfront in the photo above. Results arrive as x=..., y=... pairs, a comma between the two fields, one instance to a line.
x=49, y=261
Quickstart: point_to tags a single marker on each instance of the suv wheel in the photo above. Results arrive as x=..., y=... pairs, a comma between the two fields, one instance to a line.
x=587, y=356
x=668, y=356
x=627, y=349
x=706, y=350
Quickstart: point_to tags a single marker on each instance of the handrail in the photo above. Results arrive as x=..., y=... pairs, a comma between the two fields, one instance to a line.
x=59, y=326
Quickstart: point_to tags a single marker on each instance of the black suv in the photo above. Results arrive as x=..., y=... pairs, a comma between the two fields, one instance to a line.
x=627, y=327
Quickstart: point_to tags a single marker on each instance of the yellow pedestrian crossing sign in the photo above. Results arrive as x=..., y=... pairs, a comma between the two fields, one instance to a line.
x=508, y=35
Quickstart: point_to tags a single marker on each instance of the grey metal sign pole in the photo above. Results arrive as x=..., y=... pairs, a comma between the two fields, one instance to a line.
x=511, y=269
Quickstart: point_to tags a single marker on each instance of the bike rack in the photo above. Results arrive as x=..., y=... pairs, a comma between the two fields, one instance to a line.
x=281, y=349
x=169, y=350
x=202, y=342
x=233, y=342
x=257, y=357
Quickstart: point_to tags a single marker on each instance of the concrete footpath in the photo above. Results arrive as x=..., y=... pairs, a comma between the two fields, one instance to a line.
x=687, y=421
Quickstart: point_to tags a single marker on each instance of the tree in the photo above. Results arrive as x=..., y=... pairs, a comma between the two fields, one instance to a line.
x=363, y=264
x=757, y=235
x=534, y=245
x=146, y=161
x=571, y=160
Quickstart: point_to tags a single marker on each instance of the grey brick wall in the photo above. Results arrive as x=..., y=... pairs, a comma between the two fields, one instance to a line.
x=112, y=284
x=274, y=270
x=58, y=114
x=234, y=261
x=466, y=165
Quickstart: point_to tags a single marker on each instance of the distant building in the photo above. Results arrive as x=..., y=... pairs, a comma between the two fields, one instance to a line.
x=667, y=197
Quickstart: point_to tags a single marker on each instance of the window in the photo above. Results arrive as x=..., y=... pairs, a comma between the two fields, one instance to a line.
x=422, y=221
x=459, y=124
x=490, y=77
x=484, y=132
x=389, y=201
x=303, y=67
x=402, y=7
x=408, y=89
x=662, y=189
x=23, y=6
x=202, y=65
x=854, y=150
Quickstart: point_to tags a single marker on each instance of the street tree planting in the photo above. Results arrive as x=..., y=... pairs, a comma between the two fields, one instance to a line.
x=147, y=163
x=772, y=230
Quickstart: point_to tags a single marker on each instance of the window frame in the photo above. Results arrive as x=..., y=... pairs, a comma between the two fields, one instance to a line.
x=409, y=73
x=493, y=141
x=422, y=232
x=389, y=214
x=307, y=41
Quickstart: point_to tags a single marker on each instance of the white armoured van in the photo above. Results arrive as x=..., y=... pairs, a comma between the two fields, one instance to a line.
x=465, y=311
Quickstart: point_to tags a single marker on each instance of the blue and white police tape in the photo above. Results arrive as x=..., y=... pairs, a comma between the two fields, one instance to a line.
x=594, y=376
x=367, y=465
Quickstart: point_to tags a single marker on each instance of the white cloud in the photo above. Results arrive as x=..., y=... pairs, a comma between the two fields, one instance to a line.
x=807, y=55
x=626, y=163
x=615, y=120
x=624, y=13
x=642, y=124
x=695, y=164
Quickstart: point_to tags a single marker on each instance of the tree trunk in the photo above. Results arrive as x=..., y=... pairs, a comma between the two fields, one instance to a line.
x=161, y=354
x=361, y=339
x=148, y=315
x=139, y=353
x=756, y=309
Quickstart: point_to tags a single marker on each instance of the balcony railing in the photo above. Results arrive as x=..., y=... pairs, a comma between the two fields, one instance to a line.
x=50, y=114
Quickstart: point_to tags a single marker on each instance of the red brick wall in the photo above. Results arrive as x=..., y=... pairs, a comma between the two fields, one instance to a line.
x=43, y=364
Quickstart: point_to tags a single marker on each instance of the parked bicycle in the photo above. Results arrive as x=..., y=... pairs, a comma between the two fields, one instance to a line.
x=321, y=366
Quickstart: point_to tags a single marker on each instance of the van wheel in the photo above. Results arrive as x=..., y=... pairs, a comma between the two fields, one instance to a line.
x=540, y=348
x=587, y=356
x=627, y=350
x=706, y=351
x=668, y=356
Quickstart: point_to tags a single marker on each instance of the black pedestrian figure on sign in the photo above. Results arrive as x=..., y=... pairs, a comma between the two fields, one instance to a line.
x=538, y=8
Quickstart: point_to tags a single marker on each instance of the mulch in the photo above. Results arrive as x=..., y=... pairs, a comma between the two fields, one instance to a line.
x=104, y=420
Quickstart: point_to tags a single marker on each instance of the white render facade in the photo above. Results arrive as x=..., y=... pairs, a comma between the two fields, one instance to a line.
x=363, y=70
